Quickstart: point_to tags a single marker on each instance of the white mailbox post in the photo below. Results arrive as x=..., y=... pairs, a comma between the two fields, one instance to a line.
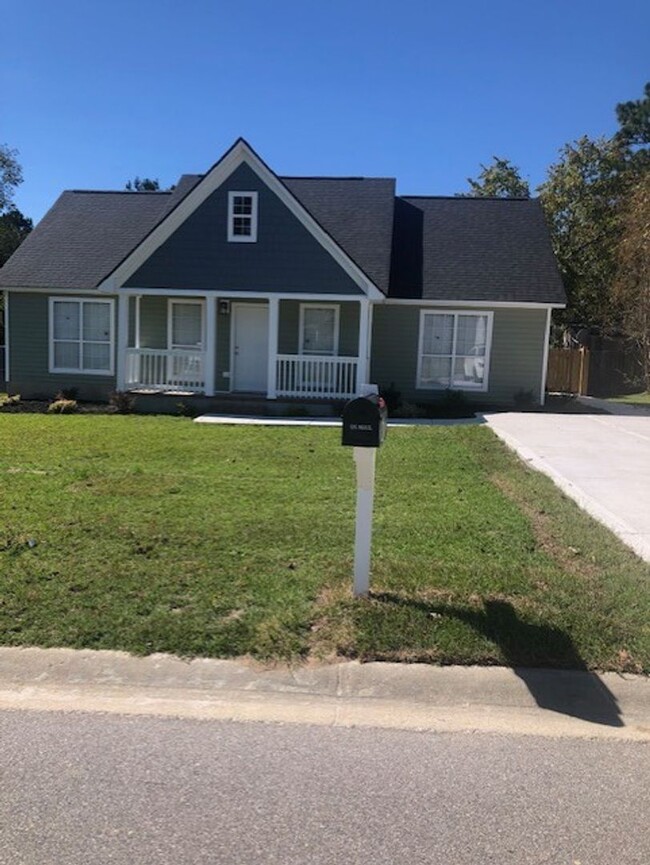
x=364, y=429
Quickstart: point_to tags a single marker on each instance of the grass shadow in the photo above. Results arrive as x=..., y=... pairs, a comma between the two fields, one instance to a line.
x=529, y=650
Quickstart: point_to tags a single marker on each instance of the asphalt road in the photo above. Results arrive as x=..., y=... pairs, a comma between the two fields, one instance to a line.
x=94, y=789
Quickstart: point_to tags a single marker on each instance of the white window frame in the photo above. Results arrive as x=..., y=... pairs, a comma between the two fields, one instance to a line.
x=337, y=320
x=476, y=388
x=242, y=238
x=174, y=301
x=80, y=370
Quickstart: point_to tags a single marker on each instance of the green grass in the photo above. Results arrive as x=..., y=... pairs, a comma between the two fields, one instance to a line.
x=156, y=534
x=633, y=398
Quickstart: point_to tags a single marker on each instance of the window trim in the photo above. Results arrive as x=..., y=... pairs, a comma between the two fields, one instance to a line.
x=242, y=238
x=80, y=370
x=481, y=388
x=337, y=328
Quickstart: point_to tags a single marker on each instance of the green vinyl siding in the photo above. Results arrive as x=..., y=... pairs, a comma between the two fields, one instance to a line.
x=29, y=353
x=516, y=355
x=153, y=322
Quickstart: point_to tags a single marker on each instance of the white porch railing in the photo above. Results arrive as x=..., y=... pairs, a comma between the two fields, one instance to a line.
x=163, y=369
x=314, y=376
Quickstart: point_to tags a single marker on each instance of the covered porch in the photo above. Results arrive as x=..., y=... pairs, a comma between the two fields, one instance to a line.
x=272, y=347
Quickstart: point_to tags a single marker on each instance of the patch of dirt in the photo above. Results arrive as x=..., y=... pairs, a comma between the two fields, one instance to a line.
x=37, y=406
x=569, y=558
x=332, y=628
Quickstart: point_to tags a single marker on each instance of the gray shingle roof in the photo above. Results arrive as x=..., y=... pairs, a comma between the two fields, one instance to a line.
x=358, y=213
x=442, y=248
x=481, y=249
x=82, y=237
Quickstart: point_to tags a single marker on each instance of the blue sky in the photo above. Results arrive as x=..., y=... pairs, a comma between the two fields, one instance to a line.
x=94, y=93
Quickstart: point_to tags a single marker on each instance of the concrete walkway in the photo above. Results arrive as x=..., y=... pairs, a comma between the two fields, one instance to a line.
x=259, y=420
x=399, y=696
x=601, y=461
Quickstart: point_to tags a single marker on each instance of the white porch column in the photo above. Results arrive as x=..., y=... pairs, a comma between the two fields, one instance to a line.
x=210, y=351
x=274, y=317
x=364, y=343
x=122, y=339
x=138, y=301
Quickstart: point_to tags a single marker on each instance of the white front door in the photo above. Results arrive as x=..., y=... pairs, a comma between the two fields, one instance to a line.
x=250, y=346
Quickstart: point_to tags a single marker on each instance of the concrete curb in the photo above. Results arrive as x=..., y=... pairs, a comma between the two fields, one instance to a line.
x=414, y=697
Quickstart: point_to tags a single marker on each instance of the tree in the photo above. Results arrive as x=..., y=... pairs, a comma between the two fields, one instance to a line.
x=11, y=175
x=634, y=119
x=501, y=179
x=632, y=284
x=14, y=228
x=582, y=197
x=146, y=184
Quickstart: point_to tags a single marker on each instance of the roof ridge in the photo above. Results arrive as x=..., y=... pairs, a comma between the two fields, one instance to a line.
x=119, y=191
x=473, y=197
x=330, y=177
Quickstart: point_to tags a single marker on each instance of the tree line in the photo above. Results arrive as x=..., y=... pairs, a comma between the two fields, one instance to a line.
x=596, y=199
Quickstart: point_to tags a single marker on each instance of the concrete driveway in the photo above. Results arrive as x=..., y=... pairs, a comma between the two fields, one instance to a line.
x=601, y=461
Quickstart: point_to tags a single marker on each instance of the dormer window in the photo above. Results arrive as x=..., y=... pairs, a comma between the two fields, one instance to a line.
x=242, y=217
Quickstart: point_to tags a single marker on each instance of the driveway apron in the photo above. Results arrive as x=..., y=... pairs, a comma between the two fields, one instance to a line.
x=601, y=461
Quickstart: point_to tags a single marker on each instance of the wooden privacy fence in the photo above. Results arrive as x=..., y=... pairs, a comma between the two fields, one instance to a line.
x=568, y=370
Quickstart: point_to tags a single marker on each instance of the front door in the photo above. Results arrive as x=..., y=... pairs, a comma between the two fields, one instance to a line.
x=250, y=346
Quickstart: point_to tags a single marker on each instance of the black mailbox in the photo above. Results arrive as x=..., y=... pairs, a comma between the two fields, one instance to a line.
x=364, y=422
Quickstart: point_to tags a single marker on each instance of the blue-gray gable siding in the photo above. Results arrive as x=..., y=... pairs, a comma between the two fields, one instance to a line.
x=285, y=258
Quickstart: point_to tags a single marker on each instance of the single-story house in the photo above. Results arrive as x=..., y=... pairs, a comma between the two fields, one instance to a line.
x=239, y=283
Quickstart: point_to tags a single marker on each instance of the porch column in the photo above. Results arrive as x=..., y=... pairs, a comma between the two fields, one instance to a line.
x=364, y=343
x=210, y=350
x=138, y=302
x=274, y=317
x=122, y=339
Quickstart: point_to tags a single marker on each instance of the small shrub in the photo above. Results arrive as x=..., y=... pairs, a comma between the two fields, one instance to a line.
x=7, y=400
x=454, y=401
x=67, y=393
x=62, y=406
x=122, y=401
x=409, y=410
x=185, y=410
x=524, y=399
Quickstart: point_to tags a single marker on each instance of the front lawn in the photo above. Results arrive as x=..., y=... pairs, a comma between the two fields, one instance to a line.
x=642, y=399
x=156, y=534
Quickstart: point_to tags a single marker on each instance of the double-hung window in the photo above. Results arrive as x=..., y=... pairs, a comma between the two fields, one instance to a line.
x=319, y=329
x=242, y=217
x=454, y=350
x=81, y=336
